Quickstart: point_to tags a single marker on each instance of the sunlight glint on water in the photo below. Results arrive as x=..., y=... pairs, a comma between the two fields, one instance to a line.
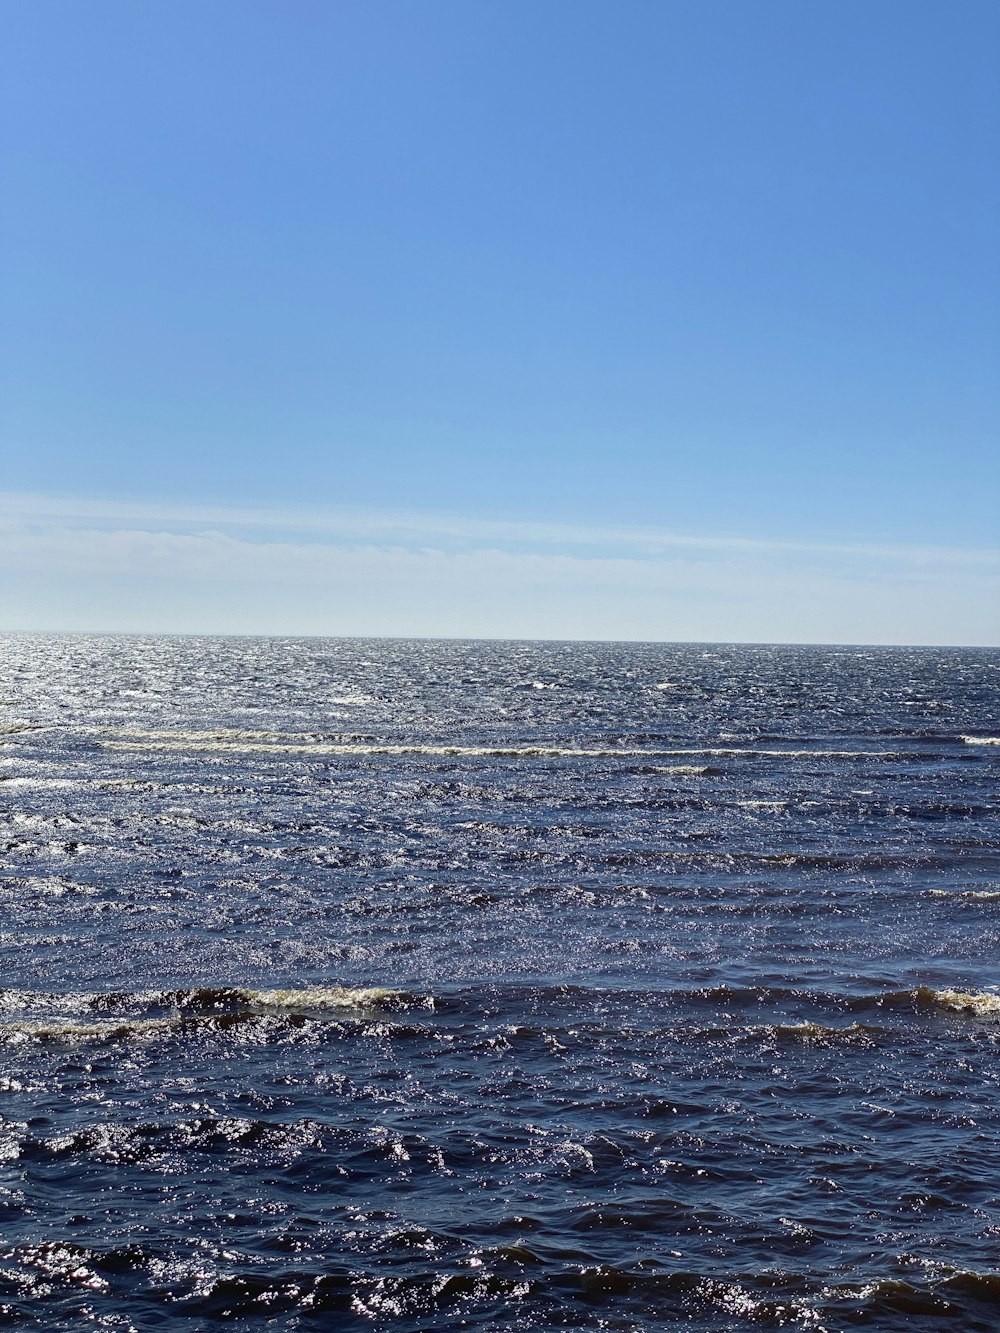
x=494, y=985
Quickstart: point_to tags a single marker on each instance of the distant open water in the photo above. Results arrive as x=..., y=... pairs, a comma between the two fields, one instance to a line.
x=413, y=986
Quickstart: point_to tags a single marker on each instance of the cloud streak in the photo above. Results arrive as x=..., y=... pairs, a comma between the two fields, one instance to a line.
x=345, y=525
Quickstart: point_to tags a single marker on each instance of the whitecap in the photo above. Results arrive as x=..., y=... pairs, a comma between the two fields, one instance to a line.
x=970, y=895
x=236, y=742
x=43, y=1029
x=320, y=997
x=983, y=1004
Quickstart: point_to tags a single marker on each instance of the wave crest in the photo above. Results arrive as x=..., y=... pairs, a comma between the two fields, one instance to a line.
x=29, y=1015
x=981, y=1004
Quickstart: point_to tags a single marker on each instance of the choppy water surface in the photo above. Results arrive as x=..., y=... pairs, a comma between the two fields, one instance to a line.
x=368, y=985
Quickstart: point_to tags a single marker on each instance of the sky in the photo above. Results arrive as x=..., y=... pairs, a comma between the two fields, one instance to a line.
x=622, y=319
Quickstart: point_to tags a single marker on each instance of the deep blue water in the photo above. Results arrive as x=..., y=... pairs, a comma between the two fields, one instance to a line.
x=437, y=986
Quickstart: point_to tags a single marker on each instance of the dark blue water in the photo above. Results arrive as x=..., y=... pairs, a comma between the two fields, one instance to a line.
x=412, y=986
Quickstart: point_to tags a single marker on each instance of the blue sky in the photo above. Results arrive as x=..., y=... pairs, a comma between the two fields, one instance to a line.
x=644, y=319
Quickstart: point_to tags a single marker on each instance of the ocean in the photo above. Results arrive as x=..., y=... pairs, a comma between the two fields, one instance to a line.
x=367, y=985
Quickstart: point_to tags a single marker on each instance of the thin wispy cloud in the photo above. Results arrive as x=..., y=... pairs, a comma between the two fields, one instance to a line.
x=393, y=527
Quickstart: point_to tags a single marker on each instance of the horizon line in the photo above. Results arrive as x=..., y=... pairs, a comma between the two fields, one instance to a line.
x=501, y=638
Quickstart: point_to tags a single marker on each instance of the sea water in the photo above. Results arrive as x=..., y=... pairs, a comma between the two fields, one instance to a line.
x=437, y=986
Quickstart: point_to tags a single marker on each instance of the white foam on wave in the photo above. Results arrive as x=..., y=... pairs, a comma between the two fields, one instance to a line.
x=218, y=735
x=276, y=743
x=320, y=997
x=981, y=740
x=47, y=1029
x=971, y=895
x=25, y=1014
x=982, y=1004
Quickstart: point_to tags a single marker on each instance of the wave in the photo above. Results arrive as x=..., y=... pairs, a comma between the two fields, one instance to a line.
x=695, y=770
x=321, y=997
x=120, y=1015
x=981, y=1004
x=514, y=1279
x=970, y=895
x=213, y=999
x=70, y=1018
x=806, y=1033
x=823, y=1034
x=980, y=740
x=49, y=1030
x=237, y=742
x=978, y=1004
x=14, y=728
x=896, y=1294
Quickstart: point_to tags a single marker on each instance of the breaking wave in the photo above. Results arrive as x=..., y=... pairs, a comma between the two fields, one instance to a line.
x=68, y=1017
x=970, y=895
x=113, y=1016
x=981, y=1004
x=246, y=742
